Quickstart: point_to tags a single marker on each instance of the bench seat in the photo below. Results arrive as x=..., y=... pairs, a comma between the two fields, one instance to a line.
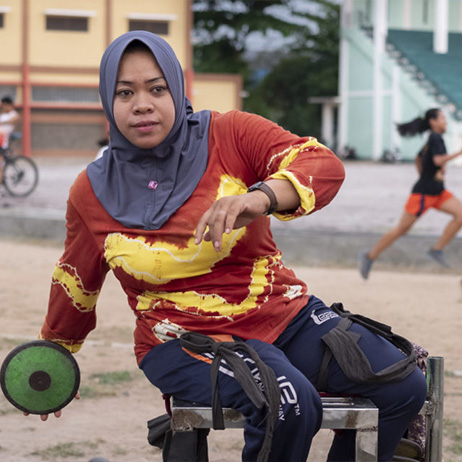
x=351, y=413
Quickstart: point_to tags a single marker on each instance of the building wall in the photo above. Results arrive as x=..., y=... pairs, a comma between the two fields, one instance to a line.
x=11, y=55
x=69, y=132
x=178, y=34
x=402, y=98
x=78, y=49
x=408, y=14
x=61, y=113
x=218, y=92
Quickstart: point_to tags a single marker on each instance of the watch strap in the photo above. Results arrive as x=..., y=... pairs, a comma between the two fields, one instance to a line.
x=263, y=187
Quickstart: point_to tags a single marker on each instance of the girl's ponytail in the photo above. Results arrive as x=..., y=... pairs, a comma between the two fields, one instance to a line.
x=419, y=124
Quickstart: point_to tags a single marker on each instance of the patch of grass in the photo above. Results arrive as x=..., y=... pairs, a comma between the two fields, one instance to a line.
x=112, y=378
x=96, y=392
x=453, y=430
x=59, y=451
x=119, y=451
x=106, y=384
x=452, y=375
x=67, y=450
x=94, y=444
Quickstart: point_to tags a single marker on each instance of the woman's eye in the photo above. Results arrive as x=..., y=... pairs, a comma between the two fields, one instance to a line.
x=159, y=89
x=123, y=93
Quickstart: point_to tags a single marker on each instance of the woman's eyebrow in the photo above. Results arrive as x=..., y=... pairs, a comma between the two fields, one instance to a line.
x=129, y=82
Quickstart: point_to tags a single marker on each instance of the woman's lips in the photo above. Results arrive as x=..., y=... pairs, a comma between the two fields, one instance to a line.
x=145, y=126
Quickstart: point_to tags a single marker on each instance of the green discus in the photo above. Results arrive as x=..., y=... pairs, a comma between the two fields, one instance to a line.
x=40, y=377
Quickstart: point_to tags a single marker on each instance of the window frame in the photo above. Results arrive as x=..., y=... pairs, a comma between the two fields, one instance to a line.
x=152, y=18
x=73, y=18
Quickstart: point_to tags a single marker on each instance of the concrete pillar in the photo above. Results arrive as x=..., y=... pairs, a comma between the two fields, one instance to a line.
x=407, y=14
x=396, y=107
x=460, y=18
x=327, y=126
x=380, y=34
x=346, y=23
x=440, y=32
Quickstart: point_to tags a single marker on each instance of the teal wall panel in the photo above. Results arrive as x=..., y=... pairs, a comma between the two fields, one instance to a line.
x=360, y=126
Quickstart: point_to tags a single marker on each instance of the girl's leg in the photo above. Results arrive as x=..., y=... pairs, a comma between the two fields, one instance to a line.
x=405, y=224
x=454, y=207
x=178, y=373
x=398, y=402
x=367, y=258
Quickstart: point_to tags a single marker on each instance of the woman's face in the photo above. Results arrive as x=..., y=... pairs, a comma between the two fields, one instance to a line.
x=143, y=106
x=438, y=124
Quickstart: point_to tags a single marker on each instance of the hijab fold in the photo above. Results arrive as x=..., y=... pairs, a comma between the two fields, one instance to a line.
x=143, y=188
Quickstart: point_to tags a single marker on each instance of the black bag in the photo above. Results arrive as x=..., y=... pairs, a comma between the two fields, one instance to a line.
x=157, y=428
x=188, y=446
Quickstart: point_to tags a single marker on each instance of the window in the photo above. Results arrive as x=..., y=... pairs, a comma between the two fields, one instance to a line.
x=3, y=10
x=66, y=23
x=8, y=90
x=156, y=27
x=156, y=23
x=70, y=20
x=65, y=94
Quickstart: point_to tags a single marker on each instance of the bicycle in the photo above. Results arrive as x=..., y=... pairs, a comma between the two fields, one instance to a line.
x=20, y=173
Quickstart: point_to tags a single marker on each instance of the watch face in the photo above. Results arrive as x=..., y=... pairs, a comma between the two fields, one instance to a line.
x=255, y=186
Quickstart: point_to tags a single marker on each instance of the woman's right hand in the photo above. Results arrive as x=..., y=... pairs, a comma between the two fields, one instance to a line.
x=44, y=417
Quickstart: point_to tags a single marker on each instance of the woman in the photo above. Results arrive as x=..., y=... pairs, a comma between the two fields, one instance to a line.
x=428, y=192
x=177, y=209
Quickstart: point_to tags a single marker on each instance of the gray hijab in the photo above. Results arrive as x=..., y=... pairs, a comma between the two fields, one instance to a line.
x=143, y=188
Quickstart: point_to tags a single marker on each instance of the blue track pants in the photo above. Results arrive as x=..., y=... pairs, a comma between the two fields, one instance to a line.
x=296, y=357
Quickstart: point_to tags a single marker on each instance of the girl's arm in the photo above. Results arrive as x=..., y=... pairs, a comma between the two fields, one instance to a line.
x=441, y=159
x=418, y=163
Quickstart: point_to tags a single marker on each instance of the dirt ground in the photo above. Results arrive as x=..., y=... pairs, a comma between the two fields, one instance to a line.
x=116, y=401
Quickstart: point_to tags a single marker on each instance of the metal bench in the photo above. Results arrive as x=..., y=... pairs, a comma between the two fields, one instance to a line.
x=340, y=413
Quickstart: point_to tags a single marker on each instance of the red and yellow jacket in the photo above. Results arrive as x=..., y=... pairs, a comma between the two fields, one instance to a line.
x=172, y=284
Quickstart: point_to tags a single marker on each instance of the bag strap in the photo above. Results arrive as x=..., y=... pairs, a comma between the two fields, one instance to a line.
x=342, y=344
x=269, y=397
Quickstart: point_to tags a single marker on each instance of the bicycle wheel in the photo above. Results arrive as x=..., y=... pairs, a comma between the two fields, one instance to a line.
x=20, y=176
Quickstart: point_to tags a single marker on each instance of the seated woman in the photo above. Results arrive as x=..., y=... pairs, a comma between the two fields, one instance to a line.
x=178, y=208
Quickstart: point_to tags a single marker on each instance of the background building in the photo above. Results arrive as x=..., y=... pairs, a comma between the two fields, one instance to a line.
x=398, y=59
x=49, y=58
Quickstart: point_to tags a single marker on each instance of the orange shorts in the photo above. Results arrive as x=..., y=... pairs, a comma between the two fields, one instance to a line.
x=418, y=204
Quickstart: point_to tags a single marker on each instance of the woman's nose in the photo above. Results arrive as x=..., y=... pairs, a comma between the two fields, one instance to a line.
x=143, y=103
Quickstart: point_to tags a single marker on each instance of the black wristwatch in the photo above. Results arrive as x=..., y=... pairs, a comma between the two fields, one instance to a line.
x=263, y=187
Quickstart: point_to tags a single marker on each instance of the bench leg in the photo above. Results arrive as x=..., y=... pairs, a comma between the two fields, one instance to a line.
x=366, y=445
x=435, y=383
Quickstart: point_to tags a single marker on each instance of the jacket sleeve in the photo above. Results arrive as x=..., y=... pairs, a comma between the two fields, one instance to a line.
x=76, y=283
x=314, y=170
